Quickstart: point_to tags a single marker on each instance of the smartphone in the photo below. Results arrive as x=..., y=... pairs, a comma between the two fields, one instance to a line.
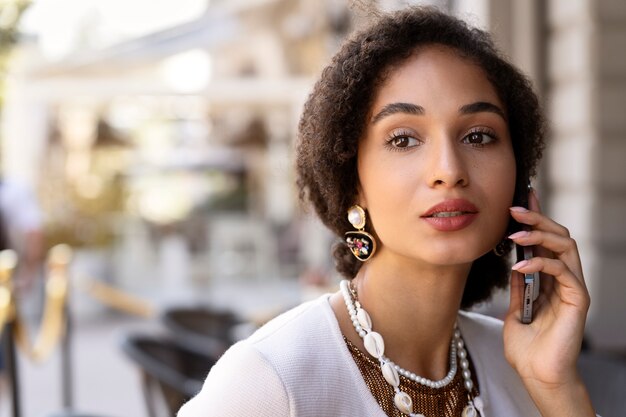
x=531, y=281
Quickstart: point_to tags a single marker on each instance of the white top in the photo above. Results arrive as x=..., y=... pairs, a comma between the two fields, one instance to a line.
x=298, y=364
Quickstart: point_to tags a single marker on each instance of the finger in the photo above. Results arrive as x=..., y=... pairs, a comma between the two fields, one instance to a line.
x=534, y=205
x=538, y=221
x=515, y=303
x=546, y=286
x=555, y=267
x=558, y=244
x=562, y=247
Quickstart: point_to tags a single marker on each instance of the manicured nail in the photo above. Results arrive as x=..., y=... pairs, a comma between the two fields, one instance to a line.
x=521, y=233
x=519, y=209
x=519, y=265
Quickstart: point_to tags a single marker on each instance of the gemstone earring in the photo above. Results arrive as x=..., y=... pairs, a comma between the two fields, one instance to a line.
x=361, y=244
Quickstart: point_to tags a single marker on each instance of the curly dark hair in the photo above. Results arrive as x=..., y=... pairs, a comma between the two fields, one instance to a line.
x=334, y=120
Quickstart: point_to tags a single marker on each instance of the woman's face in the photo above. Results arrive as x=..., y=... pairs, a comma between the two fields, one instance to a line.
x=436, y=164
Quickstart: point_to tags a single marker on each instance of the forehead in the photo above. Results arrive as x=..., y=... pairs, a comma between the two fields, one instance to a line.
x=436, y=76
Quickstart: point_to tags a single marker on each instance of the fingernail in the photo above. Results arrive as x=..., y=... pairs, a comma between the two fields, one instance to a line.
x=519, y=209
x=521, y=233
x=519, y=265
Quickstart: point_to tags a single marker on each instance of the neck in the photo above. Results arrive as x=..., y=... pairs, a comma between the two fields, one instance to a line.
x=414, y=308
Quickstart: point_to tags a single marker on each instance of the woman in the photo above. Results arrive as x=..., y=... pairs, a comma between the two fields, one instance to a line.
x=416, y=146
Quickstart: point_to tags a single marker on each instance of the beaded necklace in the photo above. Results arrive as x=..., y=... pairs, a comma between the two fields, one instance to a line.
x=375, y=346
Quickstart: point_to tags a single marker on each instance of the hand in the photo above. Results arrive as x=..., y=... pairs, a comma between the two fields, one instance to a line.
x=544, y=352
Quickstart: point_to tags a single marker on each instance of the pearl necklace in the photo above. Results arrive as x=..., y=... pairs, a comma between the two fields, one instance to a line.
x=375, y=346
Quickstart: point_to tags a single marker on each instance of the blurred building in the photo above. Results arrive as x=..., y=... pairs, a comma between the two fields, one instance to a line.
x=573, y=52
x=168, y=153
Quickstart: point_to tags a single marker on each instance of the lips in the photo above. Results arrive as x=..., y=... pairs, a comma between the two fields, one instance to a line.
x=449, y=208
x=451, y=215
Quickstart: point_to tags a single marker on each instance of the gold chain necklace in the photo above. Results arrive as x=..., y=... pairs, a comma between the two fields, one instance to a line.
x=375, y=346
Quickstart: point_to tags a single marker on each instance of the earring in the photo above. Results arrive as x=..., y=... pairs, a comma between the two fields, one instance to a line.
x=361, y=244
x=501, y=248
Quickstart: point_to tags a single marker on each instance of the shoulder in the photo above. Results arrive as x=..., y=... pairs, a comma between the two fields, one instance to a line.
x=479, y=325
x=307, y=321
x=241, y=383
x=279, y=370
x=500, y=386
x=303, y=344
x=483, y=338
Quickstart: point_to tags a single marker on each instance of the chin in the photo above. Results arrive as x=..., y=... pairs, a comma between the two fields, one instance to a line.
x=450, y=260
x=446, y=250
x=450, y=255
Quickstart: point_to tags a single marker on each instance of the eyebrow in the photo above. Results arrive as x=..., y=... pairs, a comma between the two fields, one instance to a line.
x=482, y=106
x=409, y=108
x=394, y=108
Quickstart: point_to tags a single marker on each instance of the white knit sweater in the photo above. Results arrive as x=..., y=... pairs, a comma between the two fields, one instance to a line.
x=299, y=365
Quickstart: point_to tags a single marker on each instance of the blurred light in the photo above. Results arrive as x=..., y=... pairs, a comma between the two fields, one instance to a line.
x=66, y=26
x=8, y=15
x=164, y=205
x=56, y=25
x=90, y=186
x=187, y=72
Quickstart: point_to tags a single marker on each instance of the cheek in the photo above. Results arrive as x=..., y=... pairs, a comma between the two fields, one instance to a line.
x=509, y=176
x=385, y=178
x=497, y=169
x=387, y=190
x=503, y=186
x=500, y=189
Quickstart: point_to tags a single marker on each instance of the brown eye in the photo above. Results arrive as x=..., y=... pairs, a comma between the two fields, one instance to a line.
x=478, y=138
x=403, y=142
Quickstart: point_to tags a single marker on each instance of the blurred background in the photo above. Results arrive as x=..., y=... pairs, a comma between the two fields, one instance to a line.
x=155, y=137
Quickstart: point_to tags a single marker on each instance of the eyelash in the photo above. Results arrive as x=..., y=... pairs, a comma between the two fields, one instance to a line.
x=399, y=135
x=484, y=131
x=410, y=135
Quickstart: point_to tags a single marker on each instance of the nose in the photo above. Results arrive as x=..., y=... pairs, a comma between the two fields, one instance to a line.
x=448, y=168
